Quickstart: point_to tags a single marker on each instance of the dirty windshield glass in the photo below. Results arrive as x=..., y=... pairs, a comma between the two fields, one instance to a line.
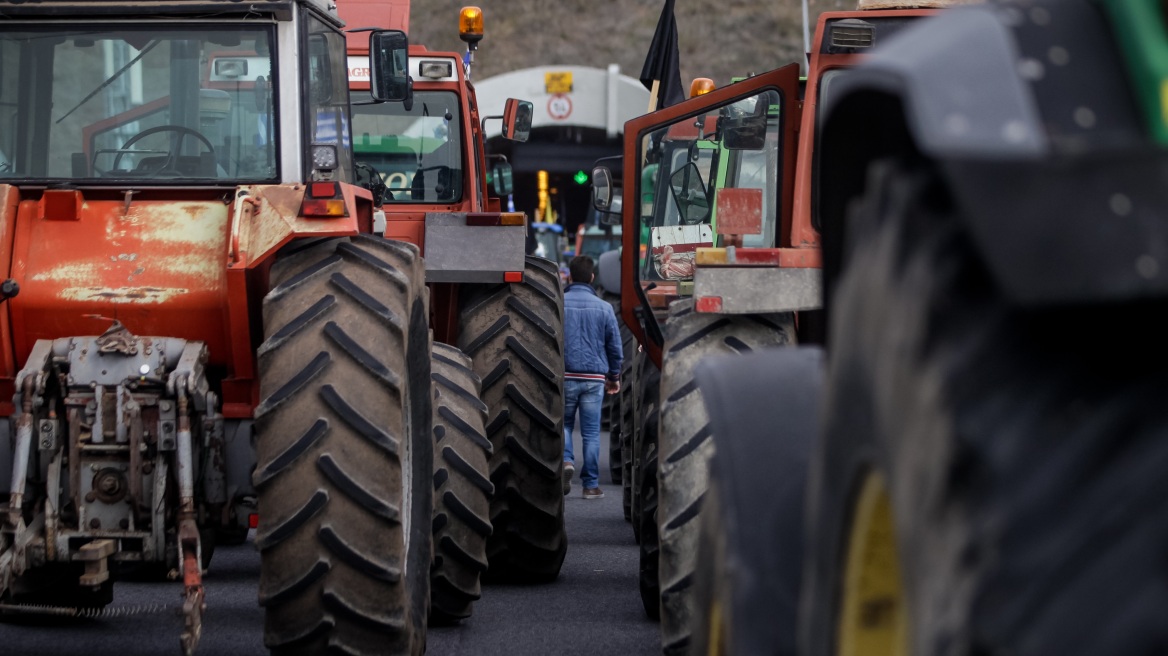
x=417, y=152
x=154, y=103
x=705, y=179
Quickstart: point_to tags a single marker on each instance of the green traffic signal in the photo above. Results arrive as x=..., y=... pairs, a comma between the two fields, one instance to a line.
x=580, y=177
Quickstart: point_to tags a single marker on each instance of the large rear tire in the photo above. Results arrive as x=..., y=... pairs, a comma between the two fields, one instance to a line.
x=514, y=333
x=343, y=450
x=462, y=486
x=988, y=481
x=685, y=445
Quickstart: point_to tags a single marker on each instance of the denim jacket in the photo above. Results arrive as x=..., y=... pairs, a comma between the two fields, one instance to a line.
x=592, y=343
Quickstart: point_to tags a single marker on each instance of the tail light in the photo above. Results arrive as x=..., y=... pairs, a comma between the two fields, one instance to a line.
x=323, y=200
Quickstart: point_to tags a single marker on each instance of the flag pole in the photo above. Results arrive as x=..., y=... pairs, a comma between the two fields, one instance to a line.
x=806, y=40
x=653, y=96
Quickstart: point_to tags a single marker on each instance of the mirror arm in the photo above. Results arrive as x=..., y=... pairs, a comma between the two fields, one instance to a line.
x=483, y=125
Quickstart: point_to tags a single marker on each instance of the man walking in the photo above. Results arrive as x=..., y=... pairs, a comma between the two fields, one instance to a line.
x=592, y=363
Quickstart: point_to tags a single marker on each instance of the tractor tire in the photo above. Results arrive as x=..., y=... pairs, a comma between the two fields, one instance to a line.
x=616, y=466
x=514, y=333
x=645, y=404
x=610, y=400
x=615, y=470
x=685, y=444
x=647, y=508
x=629, y=382
x=343, y=449
x=764, y=414
x=999, y=474
x=462, y=486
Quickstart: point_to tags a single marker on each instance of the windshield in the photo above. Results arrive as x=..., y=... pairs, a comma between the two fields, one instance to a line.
x=757, y=169
x=595, y=242
x=154, y=103
x=709, y=180
x=416, y=152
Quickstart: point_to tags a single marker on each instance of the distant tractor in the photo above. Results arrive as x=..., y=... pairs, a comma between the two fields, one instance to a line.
x=720, y=256
x=715, y=163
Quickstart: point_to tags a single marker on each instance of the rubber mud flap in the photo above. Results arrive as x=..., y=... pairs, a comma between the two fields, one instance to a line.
x=750, y=556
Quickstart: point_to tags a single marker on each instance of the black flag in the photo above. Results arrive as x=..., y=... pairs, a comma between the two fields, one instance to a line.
x=662, y=63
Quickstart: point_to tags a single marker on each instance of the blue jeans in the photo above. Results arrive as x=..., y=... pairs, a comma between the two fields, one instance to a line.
x=587, y=395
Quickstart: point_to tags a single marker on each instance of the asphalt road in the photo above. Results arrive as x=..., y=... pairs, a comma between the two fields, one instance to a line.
x=593, y=609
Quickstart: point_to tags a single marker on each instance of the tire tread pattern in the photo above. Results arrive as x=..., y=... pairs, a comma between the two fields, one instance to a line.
x=686, y=445
x=462, y=488
x=332, y=441
x=513, y=332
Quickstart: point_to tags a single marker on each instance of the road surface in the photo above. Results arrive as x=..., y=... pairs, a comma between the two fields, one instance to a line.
x=593, y=609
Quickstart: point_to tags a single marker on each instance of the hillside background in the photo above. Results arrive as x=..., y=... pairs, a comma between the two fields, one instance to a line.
x=719, y=39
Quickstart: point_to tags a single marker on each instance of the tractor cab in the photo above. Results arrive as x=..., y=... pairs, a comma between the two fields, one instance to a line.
x=149, y=100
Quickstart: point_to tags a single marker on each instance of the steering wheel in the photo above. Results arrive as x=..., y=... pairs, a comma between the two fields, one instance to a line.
x=168, y=164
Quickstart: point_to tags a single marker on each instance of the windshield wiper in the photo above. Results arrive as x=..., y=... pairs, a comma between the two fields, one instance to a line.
x=148, y=48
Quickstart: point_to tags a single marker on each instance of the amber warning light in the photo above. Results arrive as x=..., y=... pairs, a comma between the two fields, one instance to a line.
x=700, y=87
x=470, y=24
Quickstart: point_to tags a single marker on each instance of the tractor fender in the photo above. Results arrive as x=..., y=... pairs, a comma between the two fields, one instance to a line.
x=956, y=74
x=1028, y=116
x=764, y=417
x=608, y=272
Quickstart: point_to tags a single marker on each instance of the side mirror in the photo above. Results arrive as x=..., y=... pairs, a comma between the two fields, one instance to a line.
x=517, y=120
x=389, y=66
x=613, y=216
x=602, y=189
x=743, y=132
x=501, y=179
x=689, y=192
x=445, y=185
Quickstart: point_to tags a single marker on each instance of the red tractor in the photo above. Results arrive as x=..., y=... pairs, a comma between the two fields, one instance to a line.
x=436, y=187
x=721, y=255
x=208, y=325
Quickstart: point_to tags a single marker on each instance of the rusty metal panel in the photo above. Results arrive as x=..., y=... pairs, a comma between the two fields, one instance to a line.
x=270, y=216
x=749, y=290
x=739, y=211
x=156, y=265
x=456, y=252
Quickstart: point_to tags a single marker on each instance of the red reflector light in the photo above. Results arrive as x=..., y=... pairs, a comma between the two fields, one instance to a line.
x=708, y=304
x=322, y=189
x=253, y=520
x=512, y=276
